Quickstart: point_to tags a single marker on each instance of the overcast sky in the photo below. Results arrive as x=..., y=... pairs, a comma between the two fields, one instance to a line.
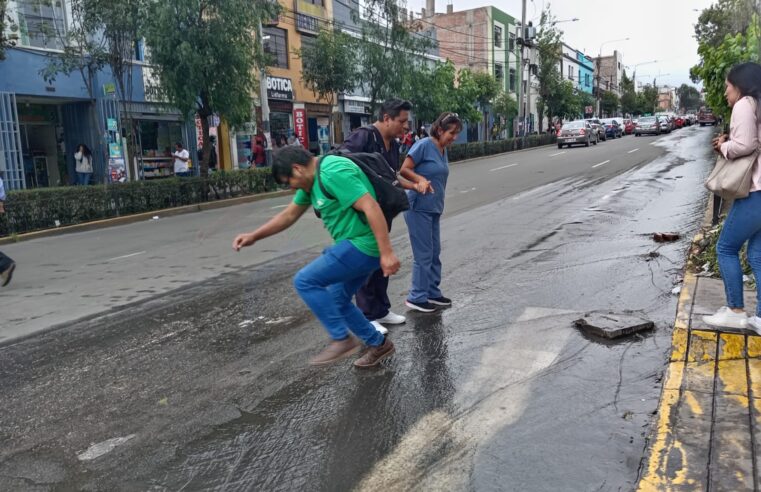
x=657, y=29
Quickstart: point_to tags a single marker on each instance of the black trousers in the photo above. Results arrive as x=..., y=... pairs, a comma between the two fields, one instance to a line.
x=5, y=262
x=372, y=298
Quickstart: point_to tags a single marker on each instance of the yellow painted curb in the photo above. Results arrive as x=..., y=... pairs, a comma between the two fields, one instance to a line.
x=665, y=447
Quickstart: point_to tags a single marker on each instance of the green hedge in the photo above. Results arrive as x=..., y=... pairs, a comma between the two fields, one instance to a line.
x=40, y=208
x=461, y=152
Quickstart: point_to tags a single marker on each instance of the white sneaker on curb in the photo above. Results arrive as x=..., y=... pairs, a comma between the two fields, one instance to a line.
x=382, y=329
x=392, y=319
x=726, y=318
x=754, y=324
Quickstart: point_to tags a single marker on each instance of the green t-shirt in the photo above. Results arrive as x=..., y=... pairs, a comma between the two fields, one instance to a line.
x=347, y=183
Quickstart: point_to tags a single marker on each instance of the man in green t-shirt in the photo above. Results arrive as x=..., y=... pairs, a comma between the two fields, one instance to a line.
x=358, y=227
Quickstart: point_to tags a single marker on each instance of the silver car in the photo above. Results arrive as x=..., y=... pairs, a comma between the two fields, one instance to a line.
x=648, y=125
x=577, y=132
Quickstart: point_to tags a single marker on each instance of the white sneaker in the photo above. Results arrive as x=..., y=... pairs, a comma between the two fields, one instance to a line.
x=392, y=319
x=754, y=323
x=381, y=329
x=726, y=318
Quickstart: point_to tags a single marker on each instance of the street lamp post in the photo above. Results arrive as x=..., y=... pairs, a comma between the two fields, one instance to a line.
x=634, y=74
x=599, y=62
x=264, y=102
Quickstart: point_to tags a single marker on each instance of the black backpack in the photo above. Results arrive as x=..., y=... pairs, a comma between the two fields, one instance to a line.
x=388, y=191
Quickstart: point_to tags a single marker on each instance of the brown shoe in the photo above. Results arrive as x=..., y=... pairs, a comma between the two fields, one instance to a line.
x=374, y=355
x=7, y=275
x=337, y=350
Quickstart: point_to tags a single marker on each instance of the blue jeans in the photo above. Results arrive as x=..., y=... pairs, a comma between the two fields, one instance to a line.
x=425, y=238
x=327, y=285
x=183, y=174
x=742, y=224
x=83, y=179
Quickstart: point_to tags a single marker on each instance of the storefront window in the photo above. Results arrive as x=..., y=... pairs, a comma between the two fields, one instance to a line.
x=281, y=124
x=157, y=140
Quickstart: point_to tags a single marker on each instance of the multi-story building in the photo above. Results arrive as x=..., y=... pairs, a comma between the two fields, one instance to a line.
x=294, y=109
x=42, y=122
x=609, y=72
x=578, y=68
x=667, y=98
x=481, y=39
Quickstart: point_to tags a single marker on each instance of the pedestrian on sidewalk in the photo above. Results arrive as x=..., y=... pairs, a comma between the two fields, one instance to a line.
x=181, y=158
x=381, y=137
x=83, y=159
x=743, y=223
x=362, y=246
x=428, y=159
x=7, y=266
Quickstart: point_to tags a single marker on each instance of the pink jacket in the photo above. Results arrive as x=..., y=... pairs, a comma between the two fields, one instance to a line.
x=744, y=136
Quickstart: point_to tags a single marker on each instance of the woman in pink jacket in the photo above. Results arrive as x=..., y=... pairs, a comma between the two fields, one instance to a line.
x=743, y=93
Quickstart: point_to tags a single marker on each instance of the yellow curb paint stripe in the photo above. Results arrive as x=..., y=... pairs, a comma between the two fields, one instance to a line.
x=731, y=346
x=754, y=347
x=754, y=368
x=702, y=346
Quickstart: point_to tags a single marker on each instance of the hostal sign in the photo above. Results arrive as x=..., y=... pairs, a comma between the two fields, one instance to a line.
x=279, y=88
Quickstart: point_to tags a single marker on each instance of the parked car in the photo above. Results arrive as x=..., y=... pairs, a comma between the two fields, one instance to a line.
x=577, y=132
x=666, y=124
x=628, y=126
x=612, y=128
x=706, y=117
x=648, y=125
x=597, y=126
x=679, y=121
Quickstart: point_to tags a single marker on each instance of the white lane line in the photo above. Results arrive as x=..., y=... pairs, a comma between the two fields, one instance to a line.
x=559, y=153
x=279, y=206
x=126, y=256
x=601, y=164
x=632, y=151
x=503, y=167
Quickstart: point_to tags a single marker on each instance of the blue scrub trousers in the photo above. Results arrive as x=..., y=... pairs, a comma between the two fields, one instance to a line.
x=425, y=237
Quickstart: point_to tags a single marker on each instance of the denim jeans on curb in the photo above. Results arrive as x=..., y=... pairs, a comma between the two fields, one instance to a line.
x=742, y=224
x=425, y=238
x=327, y=286
x=5, y=262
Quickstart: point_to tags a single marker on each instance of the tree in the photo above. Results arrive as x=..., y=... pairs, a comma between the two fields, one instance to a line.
x=724, y=17
x=647, y=100
x=505, y=106
x=486, y=88
x=548, y=40
x=8, y=28
x=689, y=97
x=205, y=53
x=388, y=41
x=434, y=91
x=715, y=62
x=330, y=66
x=628, y=95
x=609, y=103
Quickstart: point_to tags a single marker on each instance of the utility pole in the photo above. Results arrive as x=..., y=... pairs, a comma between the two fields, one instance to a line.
x=263, y=101
x=524, y=104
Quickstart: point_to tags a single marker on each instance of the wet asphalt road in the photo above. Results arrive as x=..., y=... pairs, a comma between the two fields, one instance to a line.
x=210, y=385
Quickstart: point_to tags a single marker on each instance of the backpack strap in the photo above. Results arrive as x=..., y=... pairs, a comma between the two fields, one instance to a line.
x=324, y=190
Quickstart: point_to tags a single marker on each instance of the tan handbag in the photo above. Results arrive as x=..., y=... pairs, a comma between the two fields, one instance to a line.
x=731, y=178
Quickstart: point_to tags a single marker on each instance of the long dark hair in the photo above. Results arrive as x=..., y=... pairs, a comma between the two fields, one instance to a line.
x=747, y=78
x=85, y=150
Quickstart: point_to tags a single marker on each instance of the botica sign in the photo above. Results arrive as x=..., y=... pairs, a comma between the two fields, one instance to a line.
x=279, y=88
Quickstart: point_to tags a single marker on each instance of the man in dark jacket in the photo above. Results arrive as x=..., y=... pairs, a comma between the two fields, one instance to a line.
x=393, y=118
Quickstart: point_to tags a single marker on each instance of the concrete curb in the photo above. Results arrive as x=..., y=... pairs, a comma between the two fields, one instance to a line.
x=131, y=219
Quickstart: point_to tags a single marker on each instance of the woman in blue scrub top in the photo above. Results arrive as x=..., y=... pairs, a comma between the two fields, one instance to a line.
x=428, y=159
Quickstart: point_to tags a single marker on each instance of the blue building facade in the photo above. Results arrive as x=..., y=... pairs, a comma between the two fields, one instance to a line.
x=586, y=73
x=43, y=122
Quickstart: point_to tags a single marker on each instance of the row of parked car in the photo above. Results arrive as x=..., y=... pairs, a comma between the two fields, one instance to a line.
x=590, y=131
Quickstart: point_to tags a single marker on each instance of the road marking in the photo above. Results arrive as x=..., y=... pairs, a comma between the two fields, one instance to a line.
x=279, y=206
x=503, y=167
x=601, y=164
x=126, y=256
x=632, y=151
x=559, y=153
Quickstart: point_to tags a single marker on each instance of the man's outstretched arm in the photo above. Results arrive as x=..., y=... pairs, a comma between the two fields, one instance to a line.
x=276, y=224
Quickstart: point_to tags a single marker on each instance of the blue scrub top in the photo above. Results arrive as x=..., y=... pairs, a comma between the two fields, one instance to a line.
x=433, y=166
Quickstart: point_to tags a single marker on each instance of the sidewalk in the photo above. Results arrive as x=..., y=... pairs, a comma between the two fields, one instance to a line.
x=708, y=427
